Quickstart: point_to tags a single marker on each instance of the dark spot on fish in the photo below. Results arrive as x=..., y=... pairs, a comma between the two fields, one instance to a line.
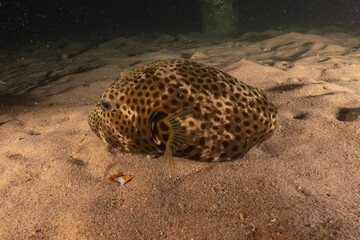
x=180, y=96
x=155, y=94
x=235, y=148
x=174, y=102
x=199, y=80
x=188, y=149
x=223, y=155
x=245, y=115
x=202, y=141
x=164, y=97
x=214, y=87
x=206, y=116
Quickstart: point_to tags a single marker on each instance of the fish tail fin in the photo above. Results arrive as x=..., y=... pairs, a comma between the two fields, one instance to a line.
x=168, y=158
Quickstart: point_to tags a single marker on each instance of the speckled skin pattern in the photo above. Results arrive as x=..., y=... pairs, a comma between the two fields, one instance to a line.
x=228, y=117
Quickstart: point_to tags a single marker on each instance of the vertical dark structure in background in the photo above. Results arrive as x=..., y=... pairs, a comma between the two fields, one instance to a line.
x=219, y=17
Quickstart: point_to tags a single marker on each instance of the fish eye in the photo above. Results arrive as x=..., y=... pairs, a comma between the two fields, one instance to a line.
x=106, y=105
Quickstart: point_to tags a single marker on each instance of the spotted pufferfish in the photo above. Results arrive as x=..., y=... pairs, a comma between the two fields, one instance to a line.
x=182, y=108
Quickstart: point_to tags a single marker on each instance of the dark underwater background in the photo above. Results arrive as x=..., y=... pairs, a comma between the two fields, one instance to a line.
x=30, y=22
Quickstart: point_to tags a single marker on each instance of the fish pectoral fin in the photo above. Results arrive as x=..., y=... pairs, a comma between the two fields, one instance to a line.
x=177, y=137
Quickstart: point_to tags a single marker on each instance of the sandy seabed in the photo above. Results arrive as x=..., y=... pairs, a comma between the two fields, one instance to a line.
x=303, y=183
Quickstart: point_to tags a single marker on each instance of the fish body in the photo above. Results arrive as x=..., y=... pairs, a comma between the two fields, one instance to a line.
x=182, y=108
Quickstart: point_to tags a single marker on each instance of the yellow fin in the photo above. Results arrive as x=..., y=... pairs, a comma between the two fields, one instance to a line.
x=168, y=158
x=178, y=138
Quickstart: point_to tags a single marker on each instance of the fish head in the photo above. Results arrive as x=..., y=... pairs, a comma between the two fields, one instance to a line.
x=108, y=121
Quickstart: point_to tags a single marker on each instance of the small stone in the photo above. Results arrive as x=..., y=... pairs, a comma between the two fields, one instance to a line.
x=198, y=55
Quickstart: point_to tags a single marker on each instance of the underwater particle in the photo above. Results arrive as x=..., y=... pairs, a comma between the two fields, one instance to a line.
x=121, y=202
x=120, y=178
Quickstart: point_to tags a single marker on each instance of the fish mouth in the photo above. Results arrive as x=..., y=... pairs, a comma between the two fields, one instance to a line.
x=94, y=121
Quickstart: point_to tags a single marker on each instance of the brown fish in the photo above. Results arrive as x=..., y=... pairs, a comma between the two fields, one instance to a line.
x=183, y=108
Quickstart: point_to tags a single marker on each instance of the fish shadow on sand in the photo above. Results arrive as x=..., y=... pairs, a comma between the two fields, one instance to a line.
x=306, y=47
x=52, y=77
x=286, y=87
x=348, y=114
